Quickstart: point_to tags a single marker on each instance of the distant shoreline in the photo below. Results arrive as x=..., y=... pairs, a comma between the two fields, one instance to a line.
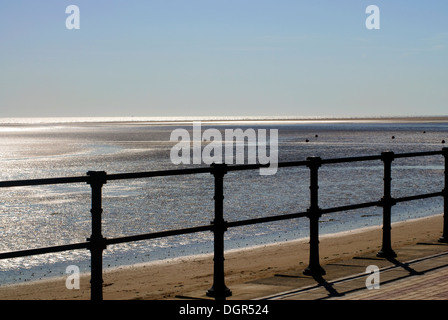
x=239, y=119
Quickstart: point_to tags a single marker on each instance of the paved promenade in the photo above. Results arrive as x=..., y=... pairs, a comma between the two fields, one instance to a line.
x=432, y=285
x=419, y=272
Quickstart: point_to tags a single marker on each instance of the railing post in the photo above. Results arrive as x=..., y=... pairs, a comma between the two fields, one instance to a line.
x=314, y=268
x=97, y=241
x=387, y=203
x=219, y=290
x=444, y=237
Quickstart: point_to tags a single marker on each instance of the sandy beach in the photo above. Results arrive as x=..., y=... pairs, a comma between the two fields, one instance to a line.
x=166, y=279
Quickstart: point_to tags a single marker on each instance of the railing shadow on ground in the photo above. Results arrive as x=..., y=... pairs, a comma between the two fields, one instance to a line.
x=96, y=243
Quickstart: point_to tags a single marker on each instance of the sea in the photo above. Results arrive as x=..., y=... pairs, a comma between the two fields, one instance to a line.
x=49, y=215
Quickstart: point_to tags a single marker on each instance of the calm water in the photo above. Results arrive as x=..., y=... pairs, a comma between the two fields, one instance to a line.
x=32, y=217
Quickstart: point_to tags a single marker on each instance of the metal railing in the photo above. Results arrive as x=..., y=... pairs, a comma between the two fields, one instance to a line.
x=97, y=243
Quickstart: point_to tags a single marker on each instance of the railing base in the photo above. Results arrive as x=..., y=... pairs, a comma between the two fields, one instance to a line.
x=443, y=239
x=386, y=254
x=314, y=271
x=218, y=294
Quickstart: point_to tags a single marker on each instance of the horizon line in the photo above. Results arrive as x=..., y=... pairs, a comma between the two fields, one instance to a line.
x=177, y=119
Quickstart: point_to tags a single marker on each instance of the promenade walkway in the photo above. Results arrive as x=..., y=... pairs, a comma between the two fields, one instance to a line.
x=419, y=272
x=432, y=285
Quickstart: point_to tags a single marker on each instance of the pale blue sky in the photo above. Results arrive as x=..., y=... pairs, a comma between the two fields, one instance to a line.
x=223, y=58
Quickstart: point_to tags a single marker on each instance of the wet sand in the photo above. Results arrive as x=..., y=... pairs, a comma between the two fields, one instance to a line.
x=166, y=279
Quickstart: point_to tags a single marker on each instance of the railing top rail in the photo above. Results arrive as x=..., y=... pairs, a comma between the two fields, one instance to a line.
x=379, y=157
x=35, y=182
x=159, y=173
x=418, y=154
x=187, y=171
x=351, y=159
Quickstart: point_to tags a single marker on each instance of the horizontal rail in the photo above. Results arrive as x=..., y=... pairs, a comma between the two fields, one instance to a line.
x=417, y=154
x=36, y=182
x=419, y=197
x=176, y=172
x=241, y=167
x=351, y=207
x=266, y=219
x=176, y=232
x=162, y=234
x=148, y=236
x=210, y=227
x=37, y=251
x=161, y=173
x=350, y=159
